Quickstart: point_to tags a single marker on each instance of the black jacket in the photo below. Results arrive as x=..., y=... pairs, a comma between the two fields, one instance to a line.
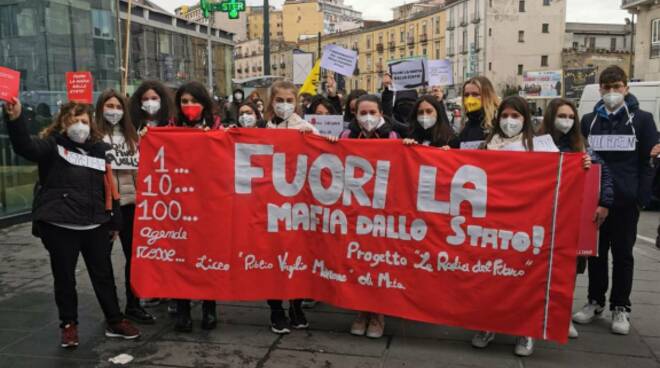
x=69, y=194
x=473, y=130
x=631, y=171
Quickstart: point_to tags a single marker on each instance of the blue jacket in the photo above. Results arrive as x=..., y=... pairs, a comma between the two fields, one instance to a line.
x=631, y=171
x=606, y=184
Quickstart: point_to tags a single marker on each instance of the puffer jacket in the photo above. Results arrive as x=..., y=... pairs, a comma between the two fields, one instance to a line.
x=293, y=122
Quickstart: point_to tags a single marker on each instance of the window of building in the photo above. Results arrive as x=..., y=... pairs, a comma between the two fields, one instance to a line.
x=521, y=6
x=546, y=2
x=655, y=38
x=575, y=44
x=490, y=66
x=424, y=28
x=544, y=60
x=476, y=9
x=368, y=42
x=521, y=36
x=476, y=37
x=424, y=52
x=613, y=44
x=465, y=41
x=545, y=28
x=403, y=35
x=520, y=69
x=490, y=32
x=437, y=25
x=592, y=43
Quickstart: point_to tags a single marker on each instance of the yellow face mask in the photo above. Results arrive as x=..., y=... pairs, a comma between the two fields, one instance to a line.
x=472, y=104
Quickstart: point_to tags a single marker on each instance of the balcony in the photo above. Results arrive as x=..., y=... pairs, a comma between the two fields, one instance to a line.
x=451, y=26
x=392, y=46
x=424, y=38
x=239, y=70
x=464, y=22
x=476, y=19
x=274, y=66
x=411, y=41
x=626, y=4
x=380, y=47
x=451, y=52
x=283, y=65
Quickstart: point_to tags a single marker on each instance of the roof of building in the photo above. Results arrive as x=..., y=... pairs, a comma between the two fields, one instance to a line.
x=597, y=28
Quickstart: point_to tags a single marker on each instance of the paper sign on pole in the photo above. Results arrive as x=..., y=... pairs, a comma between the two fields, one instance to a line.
x=79, y=87
x=440, y=72
x=408, y=74
x=331, y=125
x=339, y=60
x=9, y=82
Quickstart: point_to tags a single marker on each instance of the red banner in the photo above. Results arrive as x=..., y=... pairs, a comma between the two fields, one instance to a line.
x=476, y=239
x=80, y=87
x=588, y=239
x=9, y=84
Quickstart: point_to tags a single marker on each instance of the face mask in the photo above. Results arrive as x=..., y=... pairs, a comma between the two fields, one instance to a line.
x=426, y=121
x=151, y=106
x=564, y=125
x=368, y=122
x=613, y=100
x=113, y=116
x=247, y=120
x=472, y=104
x=192, y=112
x=260, y=108
x=511, y=127
x=238, y=97
x=78, y=132
x=284, y=110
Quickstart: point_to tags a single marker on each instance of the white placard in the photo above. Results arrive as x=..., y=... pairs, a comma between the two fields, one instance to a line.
x=120, y=155
x=471, y=145
x=339, y=60
x=331, y=125
x=542, y=143
x=440, y=72
x=78, y=159
x=613, y=142
x=408, y=74
x=302, y=66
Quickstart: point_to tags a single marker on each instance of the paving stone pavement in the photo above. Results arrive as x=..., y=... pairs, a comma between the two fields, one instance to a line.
x=29, y=333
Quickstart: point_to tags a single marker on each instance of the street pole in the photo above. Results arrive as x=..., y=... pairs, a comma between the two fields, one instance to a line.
x=632, y=48
x=124, y=81
x=209, y=54
x=266, y=38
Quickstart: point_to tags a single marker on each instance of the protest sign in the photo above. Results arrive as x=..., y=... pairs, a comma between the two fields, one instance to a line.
x=588, y=240
x=339, y=60
x=440, y=72
x=408, y=74
x=331, y=125
x=79, y=87
x=119, y=155
x=9, y=84
x=448, y=237
x=546, y=84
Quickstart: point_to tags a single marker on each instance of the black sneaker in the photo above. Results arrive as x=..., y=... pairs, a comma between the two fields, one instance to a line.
x=298, y=320
x=172, y=308
x=139, y=315
x=183, y=324
x=279, y=322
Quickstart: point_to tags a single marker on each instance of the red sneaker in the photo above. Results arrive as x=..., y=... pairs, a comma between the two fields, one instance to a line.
x=69, y=336
x=122, y=329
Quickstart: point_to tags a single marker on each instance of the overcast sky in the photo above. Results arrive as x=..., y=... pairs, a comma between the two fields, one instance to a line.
x=593, y=11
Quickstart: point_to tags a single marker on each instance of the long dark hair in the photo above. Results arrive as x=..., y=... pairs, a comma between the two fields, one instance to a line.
x=199, y=92
x=125, y=124
x=355, y=128
x=520, y=105
x=354, y=95
x=260, y=119
x=320, y=100
x=163, y=116
x=441, y=133
x=575, y=136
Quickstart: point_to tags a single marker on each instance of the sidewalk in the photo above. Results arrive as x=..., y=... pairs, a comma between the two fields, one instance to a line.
x=29, y=334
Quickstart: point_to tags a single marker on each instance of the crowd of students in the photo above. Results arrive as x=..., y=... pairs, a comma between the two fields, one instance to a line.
x=82, y=206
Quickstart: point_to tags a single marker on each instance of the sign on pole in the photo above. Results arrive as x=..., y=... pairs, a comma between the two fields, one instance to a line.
x=408, y=74
x=339, y=60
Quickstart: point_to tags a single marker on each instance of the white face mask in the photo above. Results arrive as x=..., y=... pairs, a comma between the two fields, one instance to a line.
x=238, y=96
x=613, y=100
x=564, y=125
x=247, y=120
x=511, y=127
x=78, y=132
x=369, y=122
x=284, y=110
x=426, y=121
x=151, y=106
x=113, y=116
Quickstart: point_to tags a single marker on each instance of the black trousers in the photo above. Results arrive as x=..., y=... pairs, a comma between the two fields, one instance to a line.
x=183, y=307
x=277, y=304
x=618, y=235
x=64, y=245
x=126, y=238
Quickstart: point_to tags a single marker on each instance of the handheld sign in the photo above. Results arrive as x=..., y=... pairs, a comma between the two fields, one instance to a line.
x=339, y=60
x=408, y=74
x=9, y=82
x=79, y=87
x=440, y=72
x=331, y=125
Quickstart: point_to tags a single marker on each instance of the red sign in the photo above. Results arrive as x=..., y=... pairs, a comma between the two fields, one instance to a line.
x=482, y=240
x=9, y=82
x=588, y=240
x=80, y=87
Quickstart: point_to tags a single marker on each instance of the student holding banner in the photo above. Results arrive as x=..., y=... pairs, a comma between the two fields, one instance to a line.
x=480, y=104
x=429, y=123
x=561, y=121
x=623, y=135
x=195, y=110
x=118, y=131
x=73, y=210
x=151, y=105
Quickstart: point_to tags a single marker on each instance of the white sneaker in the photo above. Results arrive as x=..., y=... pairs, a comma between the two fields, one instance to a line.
x=482, y=339
x=572, y=331
x=588, y=313
x=524, y=346
x=620, y=321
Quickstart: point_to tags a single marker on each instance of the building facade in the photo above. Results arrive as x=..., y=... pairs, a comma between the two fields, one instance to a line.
x=220, y=20
x=646, y=38
x=255, y=23
x=249, y=59
x=406, y=11
x=598, y=37
x=306, y=18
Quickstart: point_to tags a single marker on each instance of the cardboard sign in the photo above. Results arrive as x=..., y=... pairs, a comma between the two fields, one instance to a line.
x=80, y=87
x=408, y=74
x=339, y=60
x=331, y=125
x=9, y=84
x=440, y=72
x=471, y=145
x=588, y=240
x=119, y=154
x=618, y=143
x=364, y=224
x=542, y=143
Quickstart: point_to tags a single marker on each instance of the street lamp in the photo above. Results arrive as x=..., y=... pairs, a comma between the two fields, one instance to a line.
x=266, y=38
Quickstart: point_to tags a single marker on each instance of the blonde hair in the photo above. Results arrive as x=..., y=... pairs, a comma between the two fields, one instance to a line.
x=489, y=100
x=63, y=120
x=277, y=87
